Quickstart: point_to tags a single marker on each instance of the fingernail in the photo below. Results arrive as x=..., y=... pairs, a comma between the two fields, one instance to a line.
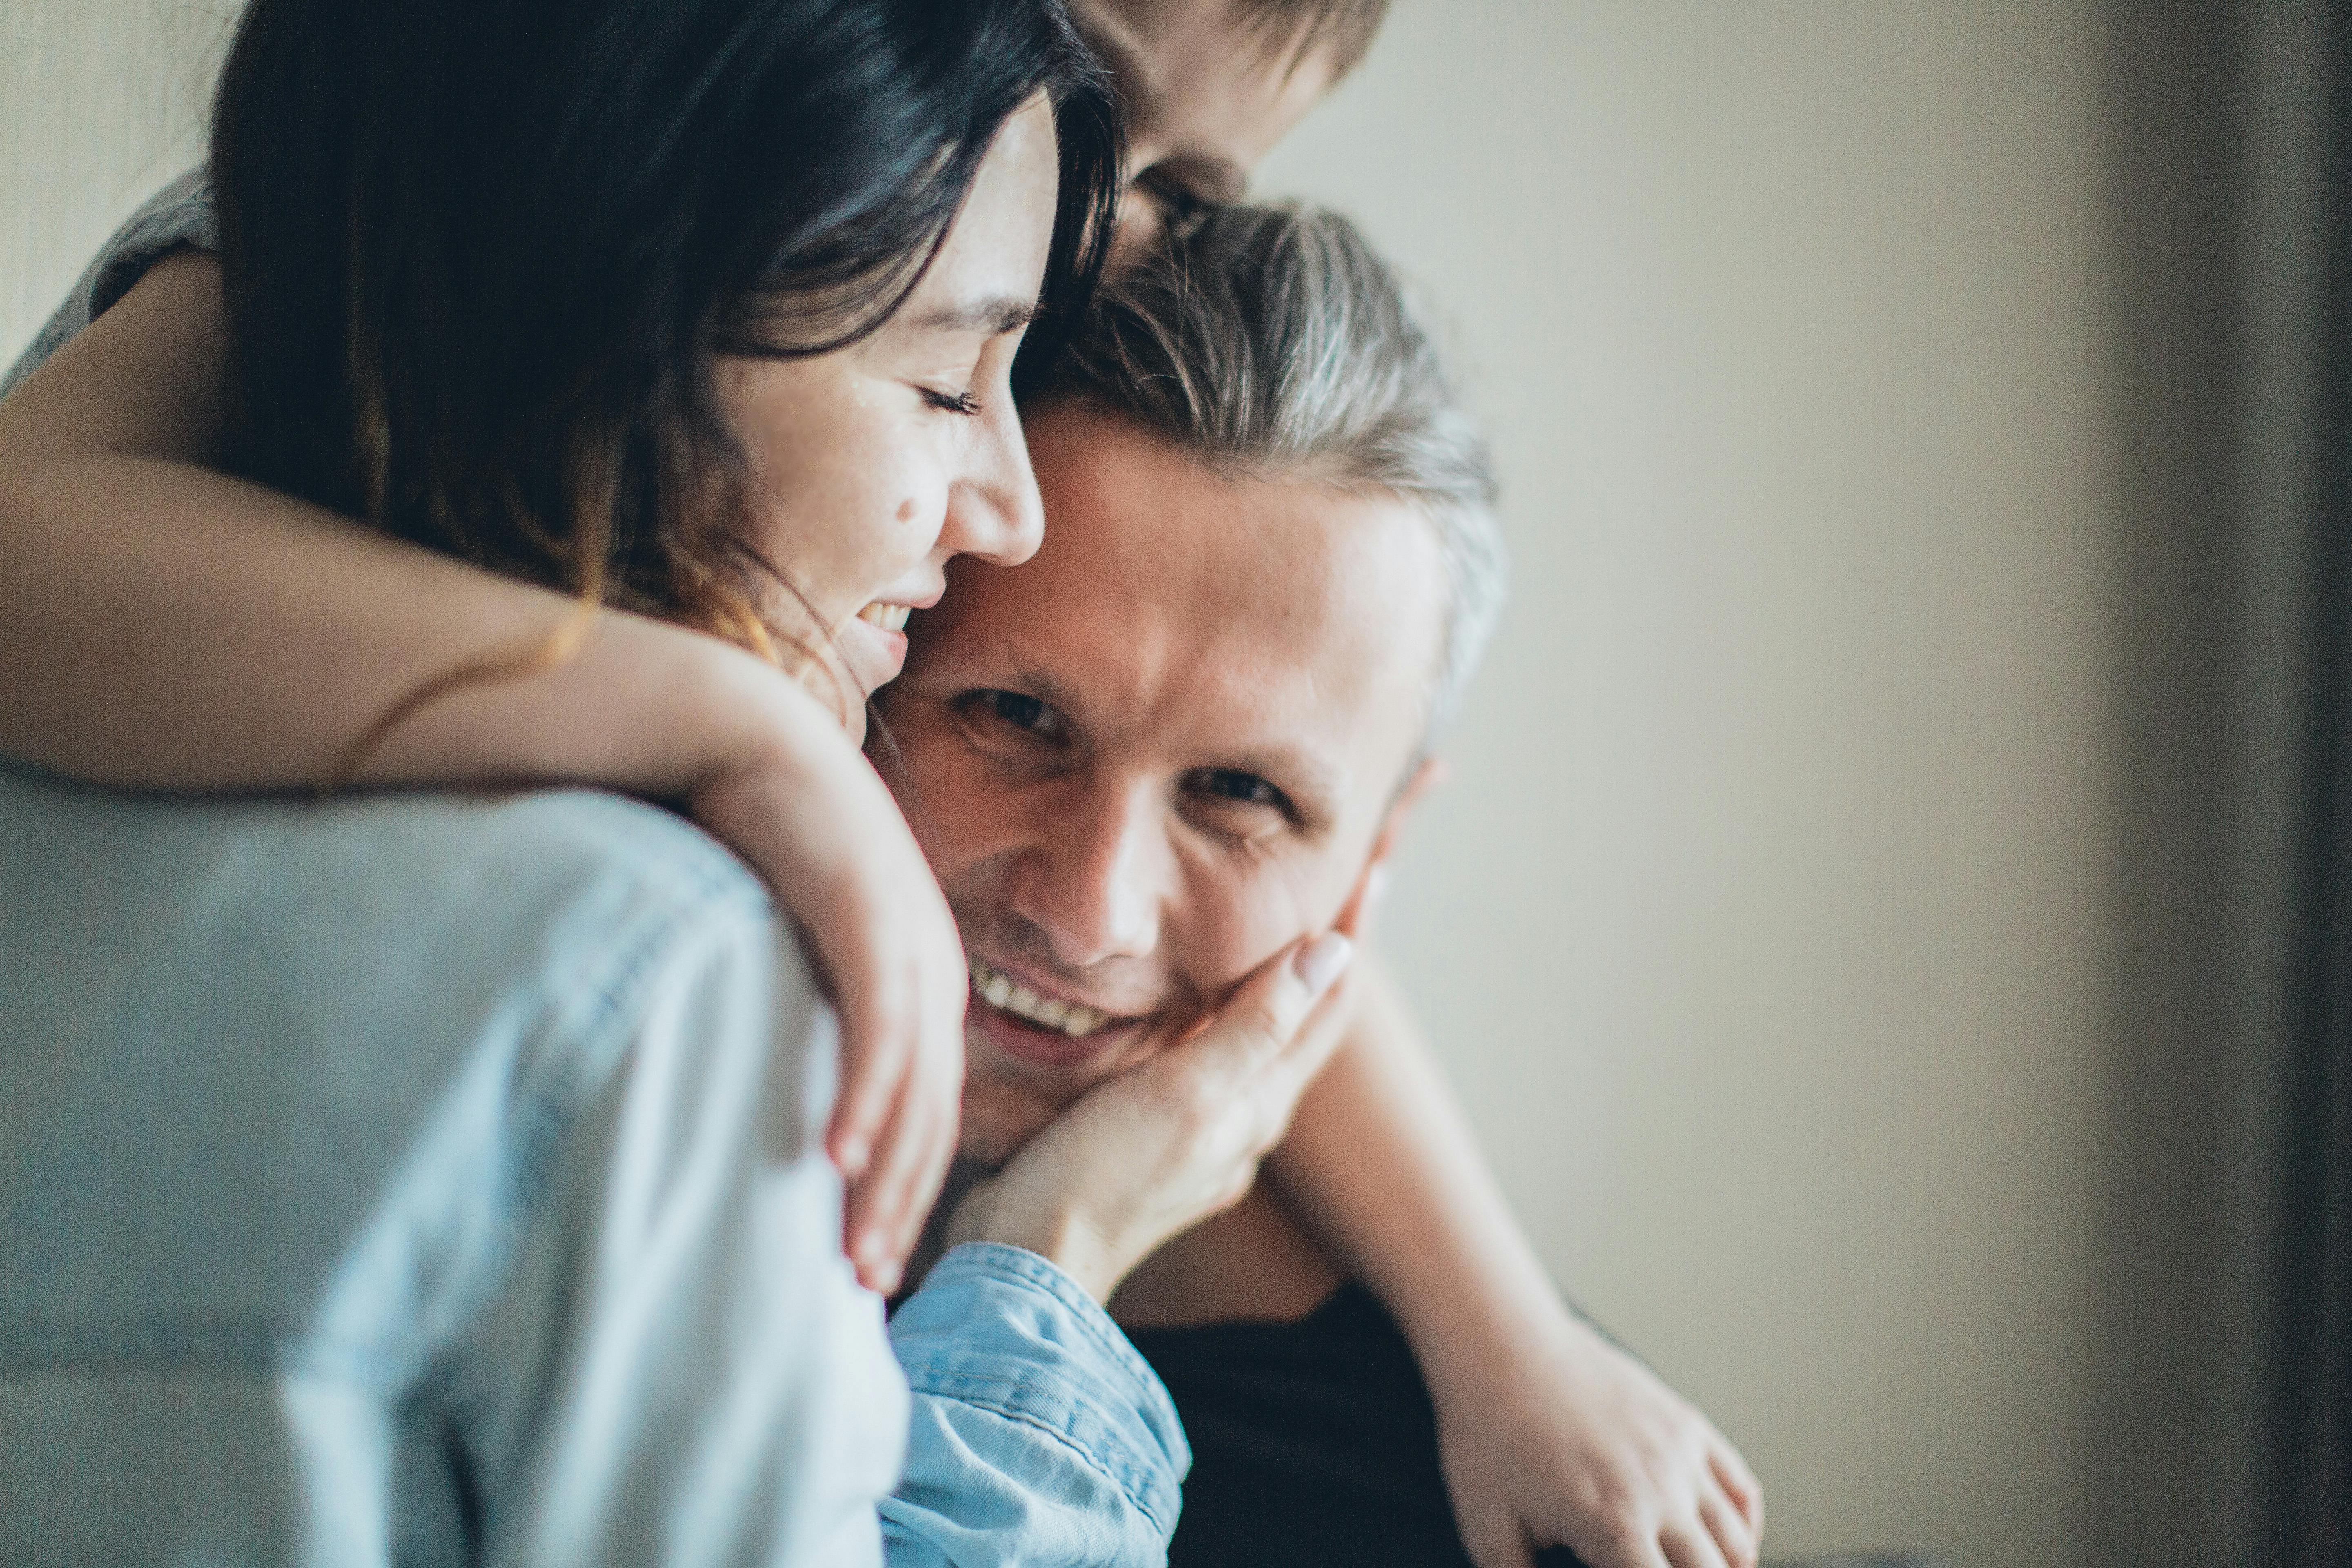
x=885, y=1278
x=1320, y=960
x=853, y=1153
x=1376, y=888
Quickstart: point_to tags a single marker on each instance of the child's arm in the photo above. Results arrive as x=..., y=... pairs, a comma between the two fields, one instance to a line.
x=164, y=626
x=1549, y=1433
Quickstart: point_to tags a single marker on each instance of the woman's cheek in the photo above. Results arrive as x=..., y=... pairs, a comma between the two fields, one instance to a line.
x=920, y=511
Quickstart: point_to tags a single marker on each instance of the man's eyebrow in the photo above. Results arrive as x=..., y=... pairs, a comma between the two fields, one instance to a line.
x=999, y=314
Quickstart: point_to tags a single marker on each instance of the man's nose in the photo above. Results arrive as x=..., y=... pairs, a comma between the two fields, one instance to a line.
x=1098, y=885
x=993, y=507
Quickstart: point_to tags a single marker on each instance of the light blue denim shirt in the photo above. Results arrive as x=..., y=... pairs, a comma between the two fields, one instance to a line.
x=437, y=1179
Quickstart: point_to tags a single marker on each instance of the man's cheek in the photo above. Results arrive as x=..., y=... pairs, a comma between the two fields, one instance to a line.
x=959, y=834
x=1248, y=927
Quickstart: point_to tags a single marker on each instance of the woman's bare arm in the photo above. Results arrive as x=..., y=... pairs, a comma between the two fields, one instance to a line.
x=1550, y=1434
x=171, y=627
x=165, y=625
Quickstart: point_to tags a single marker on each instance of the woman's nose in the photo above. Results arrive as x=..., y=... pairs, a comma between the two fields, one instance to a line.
x=994, y=510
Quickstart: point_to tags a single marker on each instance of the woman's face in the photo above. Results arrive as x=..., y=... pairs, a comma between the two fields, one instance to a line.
x=871, y=466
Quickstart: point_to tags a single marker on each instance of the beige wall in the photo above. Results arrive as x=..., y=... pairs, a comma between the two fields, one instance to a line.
x=1786, y=924
x=1805, y=922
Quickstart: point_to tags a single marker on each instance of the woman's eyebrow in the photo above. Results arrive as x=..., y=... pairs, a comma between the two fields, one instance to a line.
x=996, y=316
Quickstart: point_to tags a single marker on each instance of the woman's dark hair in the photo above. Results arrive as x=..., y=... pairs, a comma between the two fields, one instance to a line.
x=480, y=256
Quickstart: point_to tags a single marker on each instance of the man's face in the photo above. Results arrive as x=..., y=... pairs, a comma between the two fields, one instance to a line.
x=1160, y=751
x=1204, y=98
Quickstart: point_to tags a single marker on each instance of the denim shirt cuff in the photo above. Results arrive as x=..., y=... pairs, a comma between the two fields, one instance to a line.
x=1002, y=1328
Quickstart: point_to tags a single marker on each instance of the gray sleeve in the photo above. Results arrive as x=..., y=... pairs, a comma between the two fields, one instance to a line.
x=682, y=1370
x=181, y=214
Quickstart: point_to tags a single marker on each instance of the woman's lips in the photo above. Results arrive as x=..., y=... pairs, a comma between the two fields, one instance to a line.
x=875, y=654
x=874, y=640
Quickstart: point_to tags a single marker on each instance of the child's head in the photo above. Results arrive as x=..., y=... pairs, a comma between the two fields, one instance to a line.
x=1208, y=87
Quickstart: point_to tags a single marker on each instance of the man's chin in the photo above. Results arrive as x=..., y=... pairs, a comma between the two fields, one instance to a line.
x=1000, y=1116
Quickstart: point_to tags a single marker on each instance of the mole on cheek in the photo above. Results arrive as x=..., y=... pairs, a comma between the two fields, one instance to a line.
x=907, y=510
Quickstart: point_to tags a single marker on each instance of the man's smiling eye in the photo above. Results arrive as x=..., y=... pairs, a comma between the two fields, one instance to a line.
x=1015, y=710
x=1243, y=788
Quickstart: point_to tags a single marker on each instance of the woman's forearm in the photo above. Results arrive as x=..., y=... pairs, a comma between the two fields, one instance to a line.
x=162, y=625
x=201, y=633
x=1381, y=1163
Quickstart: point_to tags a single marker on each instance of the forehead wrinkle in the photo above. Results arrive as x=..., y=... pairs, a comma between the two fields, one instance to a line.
x=1278, y=600
x=1117, y=647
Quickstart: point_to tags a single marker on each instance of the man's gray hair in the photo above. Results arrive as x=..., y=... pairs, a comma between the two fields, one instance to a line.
x=1272, y=342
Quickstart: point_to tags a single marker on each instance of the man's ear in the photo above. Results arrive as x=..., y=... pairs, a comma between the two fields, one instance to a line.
x=1364, y=900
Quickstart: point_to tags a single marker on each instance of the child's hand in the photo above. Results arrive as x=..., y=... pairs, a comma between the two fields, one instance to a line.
x=1569, y=1441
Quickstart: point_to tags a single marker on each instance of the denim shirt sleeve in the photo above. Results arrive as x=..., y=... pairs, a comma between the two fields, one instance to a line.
x=1038, y=1435
x=181, y=214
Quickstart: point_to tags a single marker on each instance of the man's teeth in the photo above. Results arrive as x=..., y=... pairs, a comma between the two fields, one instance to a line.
x=889, y=617
x=1072, y=1019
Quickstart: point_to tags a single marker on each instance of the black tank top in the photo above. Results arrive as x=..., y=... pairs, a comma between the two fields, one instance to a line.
x=1314, y=1443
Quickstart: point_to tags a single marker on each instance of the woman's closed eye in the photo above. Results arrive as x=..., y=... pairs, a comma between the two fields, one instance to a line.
x=966, y=403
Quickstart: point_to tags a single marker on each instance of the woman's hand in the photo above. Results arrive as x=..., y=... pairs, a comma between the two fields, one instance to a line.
x=1568, y=1440
x=1166, y=1144
x=806, y=811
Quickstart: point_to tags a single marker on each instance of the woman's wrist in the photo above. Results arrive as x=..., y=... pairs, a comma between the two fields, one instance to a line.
x=707, y=709
x=1059, y=1232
